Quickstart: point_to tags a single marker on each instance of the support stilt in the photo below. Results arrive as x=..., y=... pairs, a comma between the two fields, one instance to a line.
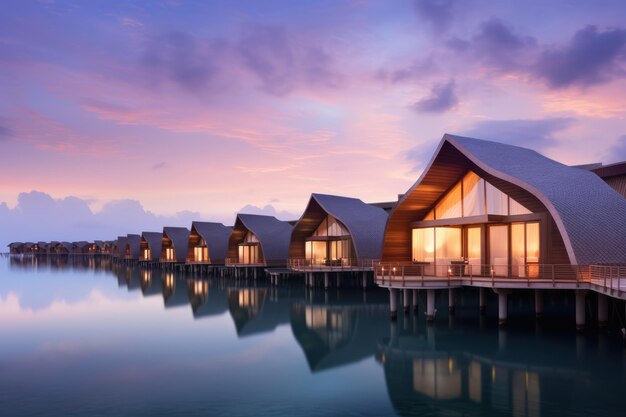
x=430, y=305
x=393, y=303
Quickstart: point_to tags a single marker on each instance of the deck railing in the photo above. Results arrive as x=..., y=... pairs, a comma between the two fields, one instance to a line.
x=398, y=271
x=607, y=277
x=337, y=265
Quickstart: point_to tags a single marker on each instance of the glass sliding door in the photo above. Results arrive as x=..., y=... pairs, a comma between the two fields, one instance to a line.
x=448, y=245
x=518, y=250
x=499, y=249
x=473, y=249
x=532, y=249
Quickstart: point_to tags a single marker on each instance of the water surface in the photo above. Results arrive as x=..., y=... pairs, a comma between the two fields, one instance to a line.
x=84, y=337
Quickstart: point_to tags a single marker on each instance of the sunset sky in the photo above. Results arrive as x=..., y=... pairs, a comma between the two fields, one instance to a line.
x=138, y=113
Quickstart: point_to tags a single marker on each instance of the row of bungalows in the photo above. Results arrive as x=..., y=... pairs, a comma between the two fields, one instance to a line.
x=479, y=208
x=333, y=233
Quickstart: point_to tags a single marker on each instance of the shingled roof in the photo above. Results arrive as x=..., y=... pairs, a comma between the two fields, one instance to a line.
x=179, y=237
x=121, y=246
x=216, y=236
x=273, y=234
x=154, y=241
x=133, y=243
x=365, y=222
x=589, y=214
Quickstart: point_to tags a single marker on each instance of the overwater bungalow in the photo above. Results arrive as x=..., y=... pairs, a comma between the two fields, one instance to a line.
x=174, y=244
x=150, y=246
x=80, y=248
x=132, y=248
x=97, y=247
x=486, y=212
x=64, y=248
x=258, y=240
x=119, y=247
x=337, y=233
x=40, y=248
x=16, y=248
x=51, y=248
x=208, y=243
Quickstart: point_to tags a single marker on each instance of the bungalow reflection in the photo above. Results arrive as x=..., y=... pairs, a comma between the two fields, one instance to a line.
x=254, y=311
x=439, y=372
x=339, y=332
x=174, y=290
x=206, y=299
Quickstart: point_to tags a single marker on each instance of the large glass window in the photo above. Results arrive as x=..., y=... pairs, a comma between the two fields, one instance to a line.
x=497, y=201
x=450, y=205
x=201, y=254
x=316, y=251
x=473, y=196
x=169, y=254
x=499, y=249
x=448, y=244
x=518, y=249
x=525, y=249
x=331, y=227
x=474, y=251
x=424, y=245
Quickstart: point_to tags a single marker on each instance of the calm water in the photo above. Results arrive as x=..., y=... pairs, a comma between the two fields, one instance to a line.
x=88, y=339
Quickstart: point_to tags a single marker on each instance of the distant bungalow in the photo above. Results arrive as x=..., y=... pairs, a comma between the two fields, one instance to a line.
x=132, y=247
x=337, y=232
x=80, y=248
x=208, y=243
x=174, y=244
x=119, y=247
x=16, y=248
x=64, y=248
x=258, y=240
x=150, y=246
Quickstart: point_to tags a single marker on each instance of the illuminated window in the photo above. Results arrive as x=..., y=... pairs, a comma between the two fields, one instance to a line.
x=450, y=205
x=201, y=254
x=331, y=227
x=424, y=245
x=473, y=196
x=169, y=254
x=499, y=249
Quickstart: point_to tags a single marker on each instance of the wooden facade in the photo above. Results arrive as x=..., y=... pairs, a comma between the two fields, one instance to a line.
x=446, y=169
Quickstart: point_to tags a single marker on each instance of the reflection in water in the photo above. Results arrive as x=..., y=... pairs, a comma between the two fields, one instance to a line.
x=360, y=362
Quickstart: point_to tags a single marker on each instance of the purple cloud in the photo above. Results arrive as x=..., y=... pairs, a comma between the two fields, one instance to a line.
x=498, y=46
x=591, y=57
x=182, y=59
x=281, y=63
x=441, y=99
x=437, y=13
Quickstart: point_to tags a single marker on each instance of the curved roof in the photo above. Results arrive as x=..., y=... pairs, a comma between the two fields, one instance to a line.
x=179, y=237
x=121, y=246
x=66, y=245
x=216, y=236
x=155, y=243
x=588, y=213
x=273, y=234
x=365, y=222
x=133, y=242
